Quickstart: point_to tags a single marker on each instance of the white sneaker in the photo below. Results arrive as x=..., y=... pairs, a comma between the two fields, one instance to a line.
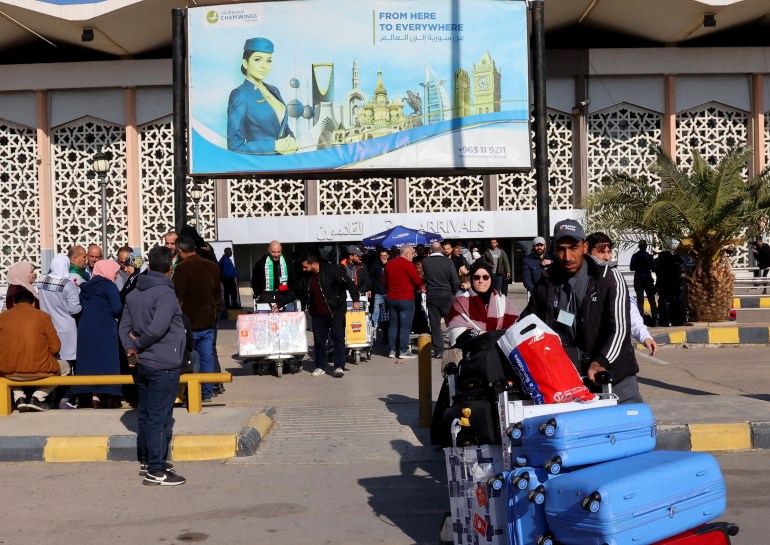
x=392, y=354
x=318, y=372
x=407, y=356
x=339, y=372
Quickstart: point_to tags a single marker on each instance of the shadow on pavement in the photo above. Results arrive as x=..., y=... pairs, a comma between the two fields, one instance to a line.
x=680, y=389
x=414, y=501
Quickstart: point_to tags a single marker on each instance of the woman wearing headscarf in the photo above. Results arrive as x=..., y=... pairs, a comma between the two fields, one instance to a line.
x=21, y=276
x=475, y=322
x=97, y=343
x=59, y=298
x=480, y=310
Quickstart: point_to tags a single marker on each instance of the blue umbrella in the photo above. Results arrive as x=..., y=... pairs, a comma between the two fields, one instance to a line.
x=398, y=236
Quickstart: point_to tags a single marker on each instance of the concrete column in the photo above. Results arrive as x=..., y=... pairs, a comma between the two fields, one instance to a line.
x=133, y=169
x=402, y=195
x=222, y=198
x=491, y=199
x=757, y=124
x=669, y=115
x=44, y=181
x=311, y=197
x=580, y=141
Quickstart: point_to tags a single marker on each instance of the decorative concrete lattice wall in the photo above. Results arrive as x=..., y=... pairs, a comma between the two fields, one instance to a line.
x=517, y=191
x=255, y=197
x=156, y=144
x=76, y=193
x=712, y=129
x=446, y=194
x=620, y=138
x=362, y=196
x=19, y=206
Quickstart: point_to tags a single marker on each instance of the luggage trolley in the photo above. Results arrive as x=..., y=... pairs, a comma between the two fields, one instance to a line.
x=359, y=332
x=274, y=340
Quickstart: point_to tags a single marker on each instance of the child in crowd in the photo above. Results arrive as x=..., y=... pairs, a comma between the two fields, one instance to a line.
x=465, y=285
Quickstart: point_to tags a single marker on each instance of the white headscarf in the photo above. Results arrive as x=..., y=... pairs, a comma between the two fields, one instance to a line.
x=60, y=267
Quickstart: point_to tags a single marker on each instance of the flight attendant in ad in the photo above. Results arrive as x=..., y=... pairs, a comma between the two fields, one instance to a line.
x=257, y=121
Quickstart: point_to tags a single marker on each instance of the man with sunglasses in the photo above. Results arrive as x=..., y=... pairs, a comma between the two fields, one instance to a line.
x=587, y=305
x=535, y=262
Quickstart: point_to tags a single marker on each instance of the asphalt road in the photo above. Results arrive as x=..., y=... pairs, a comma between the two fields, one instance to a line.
x=259, y=503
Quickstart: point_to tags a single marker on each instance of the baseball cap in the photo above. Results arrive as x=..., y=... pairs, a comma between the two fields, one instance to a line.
x=353, y=250
x=538, y=240
x=568, y=228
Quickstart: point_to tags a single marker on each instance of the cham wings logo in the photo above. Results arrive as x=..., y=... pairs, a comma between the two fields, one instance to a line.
x=212, y=17
x=232, y=17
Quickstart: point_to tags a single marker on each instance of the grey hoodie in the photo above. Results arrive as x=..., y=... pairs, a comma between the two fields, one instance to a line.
x=152, y=312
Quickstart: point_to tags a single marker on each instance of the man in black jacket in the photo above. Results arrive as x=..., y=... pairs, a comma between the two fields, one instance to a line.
x=535, y=263
x=441, y=283
x=587, y=305
x=326, y=287
x=273, y=279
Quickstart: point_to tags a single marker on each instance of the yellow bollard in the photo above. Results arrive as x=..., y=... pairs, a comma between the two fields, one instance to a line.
x=425, y=388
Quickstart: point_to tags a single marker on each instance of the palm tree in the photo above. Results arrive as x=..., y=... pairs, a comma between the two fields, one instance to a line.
x=706, y=209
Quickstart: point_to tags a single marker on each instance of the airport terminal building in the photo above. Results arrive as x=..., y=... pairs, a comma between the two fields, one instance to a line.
x=78, y=77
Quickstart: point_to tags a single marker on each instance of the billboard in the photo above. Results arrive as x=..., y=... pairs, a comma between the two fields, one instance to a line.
x=324, y=85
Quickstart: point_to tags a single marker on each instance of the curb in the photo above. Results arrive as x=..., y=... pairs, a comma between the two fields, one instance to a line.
x=714, y=437
x=717, y=335
x=122, y=448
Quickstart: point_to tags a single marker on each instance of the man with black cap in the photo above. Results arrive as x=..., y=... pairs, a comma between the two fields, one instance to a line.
x=355, y=269
x=534, y=263
x=587, y=305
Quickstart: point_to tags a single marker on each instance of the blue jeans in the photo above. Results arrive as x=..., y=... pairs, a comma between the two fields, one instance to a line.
x=204, y=346
x=401, y=316
x=378, y=300
x=322, y=326
x=157, y=390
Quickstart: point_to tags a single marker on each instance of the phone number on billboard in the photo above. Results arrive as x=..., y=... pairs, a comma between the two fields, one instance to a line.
x=497, y=150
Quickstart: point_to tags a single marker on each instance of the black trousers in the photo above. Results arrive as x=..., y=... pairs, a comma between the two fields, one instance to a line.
x=438, y=308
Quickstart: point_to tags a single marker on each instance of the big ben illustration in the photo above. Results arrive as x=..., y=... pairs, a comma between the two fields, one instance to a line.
x=486, y=86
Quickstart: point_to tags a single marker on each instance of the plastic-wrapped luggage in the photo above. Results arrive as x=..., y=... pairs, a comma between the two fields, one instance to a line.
x=588, y=437
x=635, y=501
x=478, y=506
x=267, y=334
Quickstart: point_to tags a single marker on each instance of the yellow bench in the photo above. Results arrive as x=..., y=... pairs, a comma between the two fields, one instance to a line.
x=193, y=381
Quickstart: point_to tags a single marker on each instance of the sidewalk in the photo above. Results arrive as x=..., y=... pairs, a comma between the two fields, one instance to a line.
x=703, y=399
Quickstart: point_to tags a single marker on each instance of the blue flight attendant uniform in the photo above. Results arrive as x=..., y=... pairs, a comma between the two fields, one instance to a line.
x=252, y=126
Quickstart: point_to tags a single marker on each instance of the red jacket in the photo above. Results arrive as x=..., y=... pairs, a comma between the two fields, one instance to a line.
x=401, y=279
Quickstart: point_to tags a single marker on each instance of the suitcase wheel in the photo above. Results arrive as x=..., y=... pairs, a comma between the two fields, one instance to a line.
x=553, y=466
x=356, y=357
x=496, y=482
x=546, y=539
x=592, y=503
x=520, y=461
x=514, y=432
x=548, y=428
x=537, y=496
x=521, y=481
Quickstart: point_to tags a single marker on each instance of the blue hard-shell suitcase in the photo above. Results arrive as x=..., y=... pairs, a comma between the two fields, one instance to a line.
x=526, y=515
x=635, y=501
x=588, y=437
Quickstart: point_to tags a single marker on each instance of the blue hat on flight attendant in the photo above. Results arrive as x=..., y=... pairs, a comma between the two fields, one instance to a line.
x=259, y=44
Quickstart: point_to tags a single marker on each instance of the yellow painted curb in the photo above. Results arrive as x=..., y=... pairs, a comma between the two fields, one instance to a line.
x=764, y=302
x=677, y=337
x=76, y=449
x=203, y=447
x=712, y=437
x=261, y=422
x=736, y=302
x=725, y=335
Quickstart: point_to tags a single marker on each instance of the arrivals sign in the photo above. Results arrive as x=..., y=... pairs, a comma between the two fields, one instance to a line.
x=324, y=85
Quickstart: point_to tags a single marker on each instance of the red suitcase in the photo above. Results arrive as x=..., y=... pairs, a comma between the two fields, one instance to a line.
x=715, y=533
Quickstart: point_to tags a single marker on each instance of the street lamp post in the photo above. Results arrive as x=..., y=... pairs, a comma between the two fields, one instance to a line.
x=196, y=194
x=101, y=165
